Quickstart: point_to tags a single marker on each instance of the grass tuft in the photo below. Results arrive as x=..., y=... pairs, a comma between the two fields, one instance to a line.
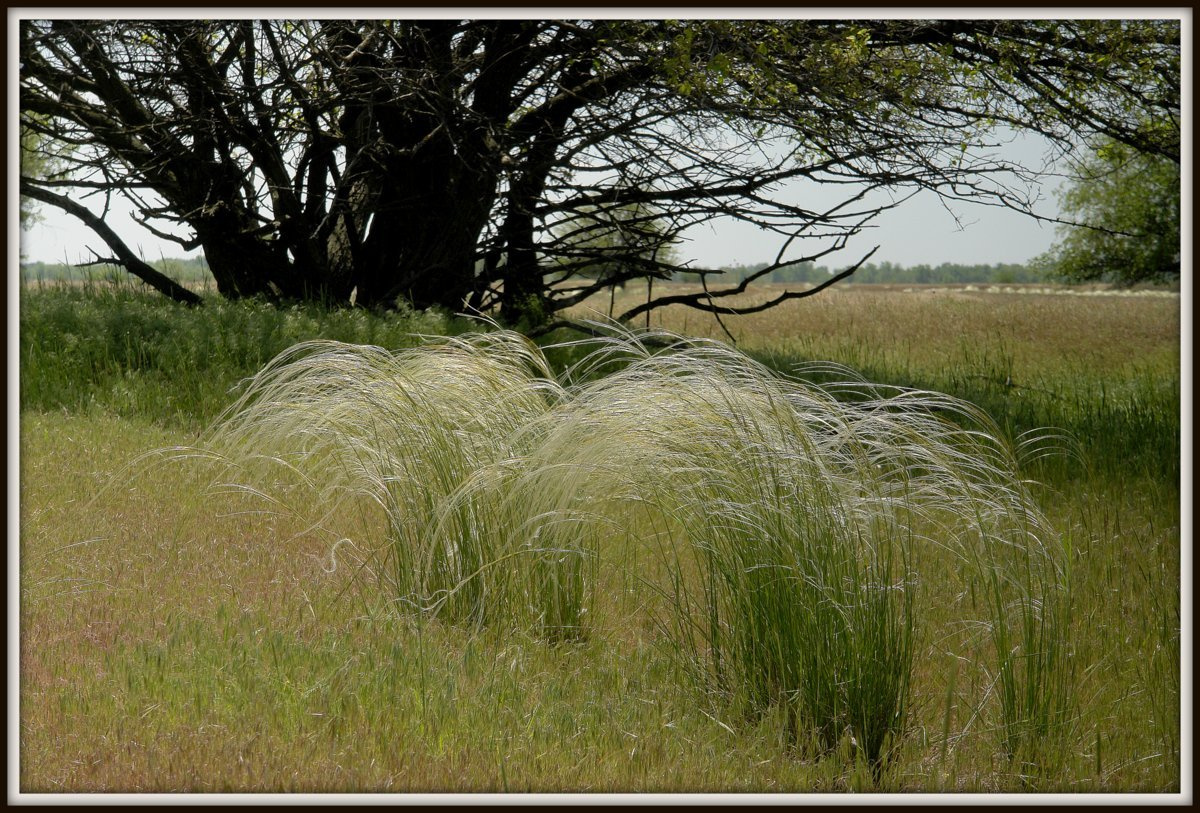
x=779, y=521
x=173, y=639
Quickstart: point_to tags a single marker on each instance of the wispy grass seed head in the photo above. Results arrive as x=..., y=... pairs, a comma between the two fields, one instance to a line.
x=786, y=514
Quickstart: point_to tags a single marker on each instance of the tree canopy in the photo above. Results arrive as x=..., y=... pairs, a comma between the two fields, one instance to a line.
x=1128, y=203
x=458, y=163
x=38, y=161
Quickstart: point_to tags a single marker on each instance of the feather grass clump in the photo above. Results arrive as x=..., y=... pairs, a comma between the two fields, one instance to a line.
x=403, y=431
x=785, y=521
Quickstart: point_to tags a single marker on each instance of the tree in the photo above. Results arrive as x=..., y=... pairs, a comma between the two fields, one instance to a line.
x=38, y=162
x=1128, y=203
x=429, y=159
x=30, y=166
x=612, y=245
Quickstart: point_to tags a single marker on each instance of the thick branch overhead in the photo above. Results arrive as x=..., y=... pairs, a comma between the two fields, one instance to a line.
x=519, y=166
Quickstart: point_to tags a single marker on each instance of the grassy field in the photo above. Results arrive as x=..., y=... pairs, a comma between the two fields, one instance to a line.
x=173, y=639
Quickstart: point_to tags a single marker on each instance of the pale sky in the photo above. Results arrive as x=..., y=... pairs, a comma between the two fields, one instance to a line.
x=918, y=231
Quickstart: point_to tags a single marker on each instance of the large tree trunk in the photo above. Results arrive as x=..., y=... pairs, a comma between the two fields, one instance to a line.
x=427, y=218
x=422, y=239
x=414, y=211
x=242, y=266
x=523, y=296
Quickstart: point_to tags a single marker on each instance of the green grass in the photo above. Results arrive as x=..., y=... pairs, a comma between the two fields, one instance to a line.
x=786, y=518
x=173, y=640
x=124, y=352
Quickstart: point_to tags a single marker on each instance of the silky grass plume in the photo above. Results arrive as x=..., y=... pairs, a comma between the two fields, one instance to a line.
x=774, y=528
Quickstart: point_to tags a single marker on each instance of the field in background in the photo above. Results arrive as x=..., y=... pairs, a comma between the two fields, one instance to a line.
x=171, y=644
x=1099, y=363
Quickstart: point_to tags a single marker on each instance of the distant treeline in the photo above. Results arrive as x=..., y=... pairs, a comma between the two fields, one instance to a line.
x=946, y=273
x=190, y=269
x=195, y=269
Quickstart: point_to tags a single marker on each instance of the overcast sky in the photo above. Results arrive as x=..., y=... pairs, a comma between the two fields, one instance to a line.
x=920, y=230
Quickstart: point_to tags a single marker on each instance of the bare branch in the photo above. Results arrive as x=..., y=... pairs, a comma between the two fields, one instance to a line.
x=125, y=257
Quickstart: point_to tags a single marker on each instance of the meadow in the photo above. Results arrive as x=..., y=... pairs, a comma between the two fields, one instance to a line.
x=181, y=637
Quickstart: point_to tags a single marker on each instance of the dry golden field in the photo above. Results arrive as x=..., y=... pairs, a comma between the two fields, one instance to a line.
x=1037, y=330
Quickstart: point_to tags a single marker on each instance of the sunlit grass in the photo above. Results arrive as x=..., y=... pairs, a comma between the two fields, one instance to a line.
x=174, y=638
x=787, y=520
x=123, y=352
